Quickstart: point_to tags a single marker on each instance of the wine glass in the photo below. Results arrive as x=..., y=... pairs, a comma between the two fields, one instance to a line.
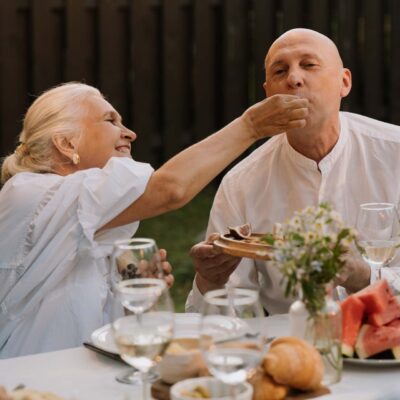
x=228, y=359
x=137, y=268
x=378, y=228
x=145, y=329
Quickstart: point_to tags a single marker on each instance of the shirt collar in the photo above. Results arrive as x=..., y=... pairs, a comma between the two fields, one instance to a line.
x=329, y=160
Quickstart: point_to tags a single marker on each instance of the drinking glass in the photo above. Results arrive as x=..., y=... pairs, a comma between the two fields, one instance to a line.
x=227, y=358
x=378, y=229
x=136, y=265
x=145, y=329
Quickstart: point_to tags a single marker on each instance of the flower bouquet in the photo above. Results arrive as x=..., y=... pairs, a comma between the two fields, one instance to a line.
x=309, y=250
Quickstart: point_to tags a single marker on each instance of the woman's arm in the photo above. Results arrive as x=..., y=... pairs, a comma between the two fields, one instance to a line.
x=181, y=178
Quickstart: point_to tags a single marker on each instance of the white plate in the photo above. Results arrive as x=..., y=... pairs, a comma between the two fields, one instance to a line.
x=371, y=362
x=186, y=325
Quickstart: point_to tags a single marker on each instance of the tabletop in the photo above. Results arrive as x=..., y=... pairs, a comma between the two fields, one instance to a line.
x=80, y=374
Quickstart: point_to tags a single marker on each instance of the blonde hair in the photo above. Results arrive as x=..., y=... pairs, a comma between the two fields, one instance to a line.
x=57, y=111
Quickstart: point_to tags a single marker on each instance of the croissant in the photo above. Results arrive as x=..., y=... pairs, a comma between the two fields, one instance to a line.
x=292, y=361
x=265, y=388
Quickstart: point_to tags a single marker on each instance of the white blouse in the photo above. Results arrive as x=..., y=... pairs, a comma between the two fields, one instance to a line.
x=54, y=267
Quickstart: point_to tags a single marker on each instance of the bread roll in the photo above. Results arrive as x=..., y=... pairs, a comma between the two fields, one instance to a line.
x=292, y=361
x=265, y=388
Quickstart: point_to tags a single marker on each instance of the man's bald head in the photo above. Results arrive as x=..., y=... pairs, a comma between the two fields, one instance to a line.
x=321, y=43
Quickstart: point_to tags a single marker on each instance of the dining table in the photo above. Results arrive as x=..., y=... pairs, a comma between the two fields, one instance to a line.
x=81, y=374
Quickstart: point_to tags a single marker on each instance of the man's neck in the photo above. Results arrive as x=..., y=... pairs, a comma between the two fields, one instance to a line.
x=315, y=143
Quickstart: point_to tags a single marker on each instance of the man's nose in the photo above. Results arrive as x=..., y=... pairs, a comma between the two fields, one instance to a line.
x=295, y=79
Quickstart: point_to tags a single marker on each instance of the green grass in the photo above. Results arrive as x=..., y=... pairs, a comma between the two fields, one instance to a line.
x=177, y=232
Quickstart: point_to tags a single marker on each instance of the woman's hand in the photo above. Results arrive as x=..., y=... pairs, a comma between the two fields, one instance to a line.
x=276, y=114
x=167, y=269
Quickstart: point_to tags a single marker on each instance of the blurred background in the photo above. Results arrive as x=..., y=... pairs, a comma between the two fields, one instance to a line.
x=178, y=70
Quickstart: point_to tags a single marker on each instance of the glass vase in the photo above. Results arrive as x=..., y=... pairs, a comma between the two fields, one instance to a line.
x=324, y=331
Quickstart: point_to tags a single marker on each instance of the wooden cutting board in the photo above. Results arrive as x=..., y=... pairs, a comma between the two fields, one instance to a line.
x=160, y=391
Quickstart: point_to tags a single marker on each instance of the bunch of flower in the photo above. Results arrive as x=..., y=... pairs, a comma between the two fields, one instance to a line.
x=309, y=252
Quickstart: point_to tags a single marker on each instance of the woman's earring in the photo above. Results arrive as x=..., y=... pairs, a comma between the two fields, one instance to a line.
x=76, y=159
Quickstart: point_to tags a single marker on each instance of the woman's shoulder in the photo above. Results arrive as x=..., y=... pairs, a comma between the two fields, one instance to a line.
x=28, y=184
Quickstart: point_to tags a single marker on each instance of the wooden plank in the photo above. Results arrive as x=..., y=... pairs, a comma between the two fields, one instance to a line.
x=14, y=72
x=80, y=25
x=236, y=57
x=114, y=54
x=264, y=35
x=145, y=88
x=47, y=37
x=373, y=59
x=319, y=16
x=205, y=69
x=346, y=36
x=176, y=77
x=394, y=12
x=292, y=14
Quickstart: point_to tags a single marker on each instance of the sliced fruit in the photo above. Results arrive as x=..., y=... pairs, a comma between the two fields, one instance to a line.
x=352, y=315
x=395, y=350
x=390, y=313
x=372, y=340
x=240, y=232
x=395, y=323
x=375, y=297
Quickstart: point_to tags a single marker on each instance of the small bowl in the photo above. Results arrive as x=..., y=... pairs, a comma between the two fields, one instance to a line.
x=216, y=389
x=182, y=360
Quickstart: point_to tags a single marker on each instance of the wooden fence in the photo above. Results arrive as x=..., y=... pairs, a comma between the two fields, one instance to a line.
x=179, y=69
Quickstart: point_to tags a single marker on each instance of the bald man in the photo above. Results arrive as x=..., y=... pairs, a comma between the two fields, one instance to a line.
x=342, y=158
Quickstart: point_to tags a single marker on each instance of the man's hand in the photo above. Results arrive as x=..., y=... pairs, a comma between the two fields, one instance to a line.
x=213, y=268
x=356, y=274
x=276, y=114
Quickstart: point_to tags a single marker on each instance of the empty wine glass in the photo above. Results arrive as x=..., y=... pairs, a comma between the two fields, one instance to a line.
x=378, y=229
x=137, y=279
x=227, y=358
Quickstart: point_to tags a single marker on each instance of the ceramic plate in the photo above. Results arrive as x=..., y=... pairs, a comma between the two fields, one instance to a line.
x=186, y=325
x=371, y=362
x=251, y=247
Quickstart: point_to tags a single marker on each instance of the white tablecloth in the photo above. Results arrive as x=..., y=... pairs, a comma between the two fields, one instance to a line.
x=79, y=374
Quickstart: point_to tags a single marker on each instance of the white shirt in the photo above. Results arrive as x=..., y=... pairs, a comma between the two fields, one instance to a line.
x=53, y=266
x=275, y=180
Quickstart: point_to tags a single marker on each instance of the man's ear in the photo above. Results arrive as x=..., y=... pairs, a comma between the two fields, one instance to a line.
x=265, y=88
x=346, y=83
x=66, y=146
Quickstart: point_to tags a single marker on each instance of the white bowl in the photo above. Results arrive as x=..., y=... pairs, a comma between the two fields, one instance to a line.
x=217, y=389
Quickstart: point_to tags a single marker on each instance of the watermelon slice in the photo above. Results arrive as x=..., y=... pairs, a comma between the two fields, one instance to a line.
x=375, y=297
x=391, y=312
x=352, y=315
x=395, y=350
x=373, y=340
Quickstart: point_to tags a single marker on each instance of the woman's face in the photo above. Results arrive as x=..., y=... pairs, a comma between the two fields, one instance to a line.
x=103, y=135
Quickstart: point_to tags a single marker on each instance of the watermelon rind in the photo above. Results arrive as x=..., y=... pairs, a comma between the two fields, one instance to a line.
x=396, y=352
x=347, y=350
x=359, y=344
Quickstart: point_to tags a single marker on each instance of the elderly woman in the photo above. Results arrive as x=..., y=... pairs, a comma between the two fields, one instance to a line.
x=71, y=188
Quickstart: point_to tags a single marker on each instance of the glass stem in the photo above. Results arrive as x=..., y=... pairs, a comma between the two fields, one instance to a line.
x=233, y=391
x=145, y=386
